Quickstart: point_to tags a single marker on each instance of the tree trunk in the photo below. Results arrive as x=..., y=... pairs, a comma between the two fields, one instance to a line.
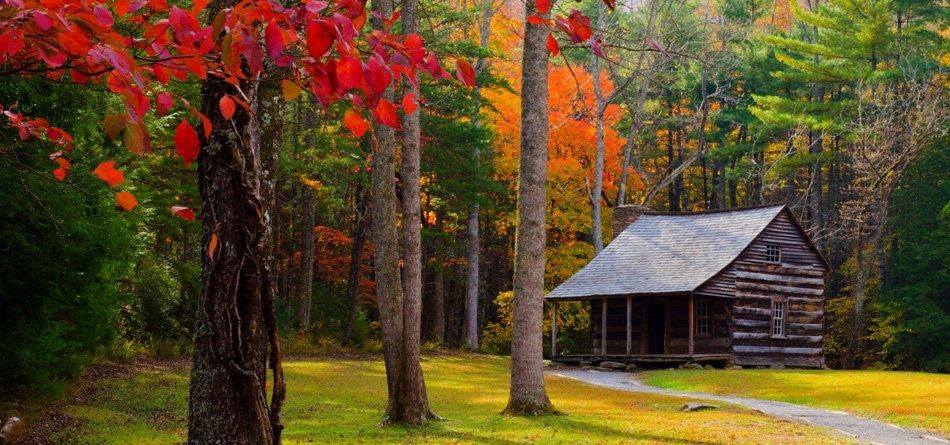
x=399, y=317
x=356, y=260
x=601, y=108
x=438, y=292
x=472, y=250
x=236, y=321
x=528, y=396
x=305, y=279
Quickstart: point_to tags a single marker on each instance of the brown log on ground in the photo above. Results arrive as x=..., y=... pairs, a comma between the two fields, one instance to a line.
x=236, y=322
x=528, y=395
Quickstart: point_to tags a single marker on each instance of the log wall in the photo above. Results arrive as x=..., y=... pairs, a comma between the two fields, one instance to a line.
x=798, y=280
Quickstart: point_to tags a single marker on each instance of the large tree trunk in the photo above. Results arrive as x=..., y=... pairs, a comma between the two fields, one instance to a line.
x=528, y=396
x=236, y=322
x=400, y=318
x=305, y=279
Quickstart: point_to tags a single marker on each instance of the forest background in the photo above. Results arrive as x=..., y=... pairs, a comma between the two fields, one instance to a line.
x=838, y=109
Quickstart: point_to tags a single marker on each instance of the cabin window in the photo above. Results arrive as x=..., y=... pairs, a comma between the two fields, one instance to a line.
x=773, y=253
x=779, y=313
x=703, y=318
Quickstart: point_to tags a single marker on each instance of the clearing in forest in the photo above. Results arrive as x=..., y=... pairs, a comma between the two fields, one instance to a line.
x=340, y=401
x=912, y=400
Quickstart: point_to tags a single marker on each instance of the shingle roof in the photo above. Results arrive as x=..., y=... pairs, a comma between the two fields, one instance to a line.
x=662, y=254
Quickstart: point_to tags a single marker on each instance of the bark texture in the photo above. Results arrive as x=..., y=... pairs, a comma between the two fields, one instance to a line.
x=528, y=396
x=305, y=279
x=236, y=322
x=356, y=260
x=400, y=317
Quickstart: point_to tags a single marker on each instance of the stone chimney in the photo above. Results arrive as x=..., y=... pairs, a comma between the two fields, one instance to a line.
x=626, y=215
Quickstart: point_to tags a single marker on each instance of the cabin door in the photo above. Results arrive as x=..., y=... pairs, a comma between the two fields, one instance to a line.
x=656, y=328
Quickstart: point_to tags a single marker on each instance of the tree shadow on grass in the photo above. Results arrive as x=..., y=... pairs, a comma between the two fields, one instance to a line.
x=610, y=434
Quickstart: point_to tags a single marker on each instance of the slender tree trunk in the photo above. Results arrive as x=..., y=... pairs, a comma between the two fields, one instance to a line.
x=528, y=396
x=472, y=251
x=236, y=322
x=305, y=278
x=400, y=317
x=356, y=260
x=438, y=291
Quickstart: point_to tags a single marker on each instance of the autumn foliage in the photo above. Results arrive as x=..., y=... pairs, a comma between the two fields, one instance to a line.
x=137, y=48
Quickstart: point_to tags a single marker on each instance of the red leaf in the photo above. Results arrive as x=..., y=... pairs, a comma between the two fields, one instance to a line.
x=136, y=138
x=543, y=6
x=432, y=64
x=538, y=20
x=115, y=122
x=320, y=34
x=409, y=104
x=186, y=142
x=63, y=163
x=103, y=16
x=106, y=171
x=385, y=113
x=184, y=212
x=59, y=173
x=552, y=45
x=205, y=123
x=274, y=40
x=199, y=5
x=355, y=122
x=595, y=45
x=227, y=109
x=126, y=200
x=465, y=73
x=163, y=103
x=413, y=42
x=349, y=71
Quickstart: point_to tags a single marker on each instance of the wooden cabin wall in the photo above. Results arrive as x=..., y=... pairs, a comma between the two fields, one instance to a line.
x=799, y=280
x=617, y=324
x=782, y=231
x=720, y=339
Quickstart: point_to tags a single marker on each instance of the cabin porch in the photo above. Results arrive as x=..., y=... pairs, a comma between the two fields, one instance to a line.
x=664, y=329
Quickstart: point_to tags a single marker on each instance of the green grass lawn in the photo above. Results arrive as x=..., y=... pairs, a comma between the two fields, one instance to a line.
x=340, y=401
x=909, y=399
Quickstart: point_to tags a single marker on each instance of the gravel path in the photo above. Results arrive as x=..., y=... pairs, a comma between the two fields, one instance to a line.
x=864, y=430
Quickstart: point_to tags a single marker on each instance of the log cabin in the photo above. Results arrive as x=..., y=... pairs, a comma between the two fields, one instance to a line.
x=743, y=286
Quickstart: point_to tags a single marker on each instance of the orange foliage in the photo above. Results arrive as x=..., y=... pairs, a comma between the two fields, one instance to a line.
x=572, y=153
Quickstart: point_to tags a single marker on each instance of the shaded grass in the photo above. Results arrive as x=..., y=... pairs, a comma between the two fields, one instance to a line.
x=913, y=400
x=340, y=401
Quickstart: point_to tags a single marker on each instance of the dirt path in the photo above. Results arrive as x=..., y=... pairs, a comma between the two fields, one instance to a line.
x=864, y=430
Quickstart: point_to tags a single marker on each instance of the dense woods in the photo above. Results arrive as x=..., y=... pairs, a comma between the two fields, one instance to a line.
x=839, y=109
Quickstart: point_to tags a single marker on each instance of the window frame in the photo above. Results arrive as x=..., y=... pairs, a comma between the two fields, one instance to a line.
x=779, y=322
x=773, y=253
x=700, y=318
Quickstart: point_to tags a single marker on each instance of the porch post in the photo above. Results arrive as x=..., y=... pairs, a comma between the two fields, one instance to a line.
x=603, y=328
x=692, y=321
x=629, y=325
x=553, y=328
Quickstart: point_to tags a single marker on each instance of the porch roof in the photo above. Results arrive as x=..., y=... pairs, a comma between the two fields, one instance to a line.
x=667, y=254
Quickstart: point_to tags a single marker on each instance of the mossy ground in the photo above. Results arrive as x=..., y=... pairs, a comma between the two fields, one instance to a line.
x=909, y=399
x=340, y=401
